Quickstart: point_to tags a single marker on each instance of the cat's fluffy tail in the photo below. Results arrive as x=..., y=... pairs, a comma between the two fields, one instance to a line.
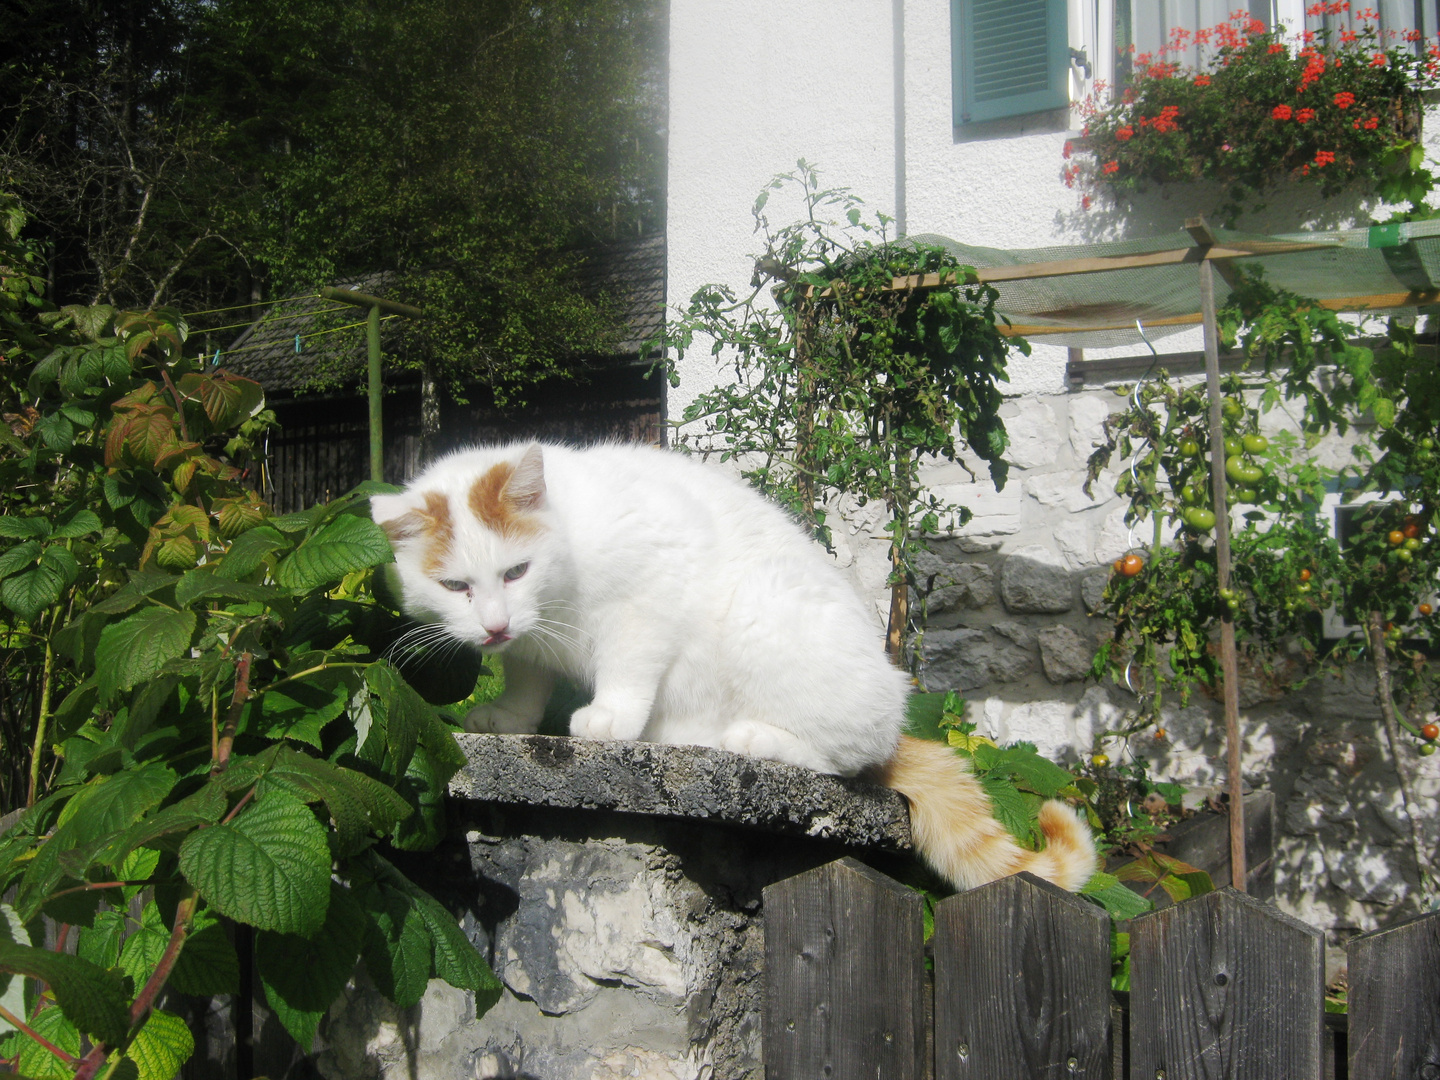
x=953, y=829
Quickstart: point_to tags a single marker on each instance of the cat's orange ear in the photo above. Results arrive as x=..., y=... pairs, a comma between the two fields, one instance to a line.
x=526, y=488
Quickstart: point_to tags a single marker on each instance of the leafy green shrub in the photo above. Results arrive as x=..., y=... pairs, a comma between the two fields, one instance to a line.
x=216, y=730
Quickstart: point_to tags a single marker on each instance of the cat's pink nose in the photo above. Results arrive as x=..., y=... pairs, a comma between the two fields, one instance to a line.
x=496, y=626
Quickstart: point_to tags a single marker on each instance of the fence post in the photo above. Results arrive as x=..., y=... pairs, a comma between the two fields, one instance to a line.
x=1224, y=985
x=844, y=976
x=1395, y=1002
x=1022, y=984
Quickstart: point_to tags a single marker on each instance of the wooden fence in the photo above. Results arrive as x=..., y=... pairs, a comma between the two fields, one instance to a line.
x=1222, y=986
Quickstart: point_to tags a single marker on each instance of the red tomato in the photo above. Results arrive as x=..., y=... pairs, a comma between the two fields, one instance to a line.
x=1131, y=565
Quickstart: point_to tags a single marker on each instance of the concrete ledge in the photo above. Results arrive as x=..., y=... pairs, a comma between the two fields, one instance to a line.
x=680, y=782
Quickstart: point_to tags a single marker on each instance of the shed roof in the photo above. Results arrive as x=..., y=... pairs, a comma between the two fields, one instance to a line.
x=632, y=272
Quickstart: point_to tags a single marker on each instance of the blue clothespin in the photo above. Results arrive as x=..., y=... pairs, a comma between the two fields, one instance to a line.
x=215, y=361
x=297, y=343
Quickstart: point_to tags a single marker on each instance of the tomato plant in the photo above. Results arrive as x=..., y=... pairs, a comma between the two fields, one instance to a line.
x=1288, y=565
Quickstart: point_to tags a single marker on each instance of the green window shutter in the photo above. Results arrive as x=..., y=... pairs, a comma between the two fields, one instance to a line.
x=1008, y=57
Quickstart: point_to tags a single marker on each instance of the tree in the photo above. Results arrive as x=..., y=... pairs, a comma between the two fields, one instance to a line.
x=203, y=155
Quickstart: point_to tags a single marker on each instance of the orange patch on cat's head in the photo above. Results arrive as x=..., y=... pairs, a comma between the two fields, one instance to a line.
x=429, y=525
x=500, y=502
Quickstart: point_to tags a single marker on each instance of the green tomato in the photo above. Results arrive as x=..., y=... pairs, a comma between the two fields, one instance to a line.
x=1232, y=408
x=1251, y=474
x=1248, y=495
x=1200, y=518
x=1404, y=555
x=1425, y=749
x=1255, y=444
x=1234, y=466
x=1413, y=544
x=1427, y=443
x=1190, y=493
x=1233, y=446
x=1190, y=448
x=1303, y=587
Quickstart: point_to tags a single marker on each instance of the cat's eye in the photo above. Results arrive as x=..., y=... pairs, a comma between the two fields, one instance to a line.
x=456, y=586
x=516, y=572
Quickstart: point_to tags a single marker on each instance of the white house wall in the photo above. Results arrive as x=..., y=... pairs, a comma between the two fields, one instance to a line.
x=756, y=85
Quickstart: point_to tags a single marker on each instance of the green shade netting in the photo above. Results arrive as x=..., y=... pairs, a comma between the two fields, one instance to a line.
x=1096, y=310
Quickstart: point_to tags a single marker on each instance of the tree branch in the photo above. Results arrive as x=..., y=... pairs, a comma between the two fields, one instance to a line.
x=232, y=719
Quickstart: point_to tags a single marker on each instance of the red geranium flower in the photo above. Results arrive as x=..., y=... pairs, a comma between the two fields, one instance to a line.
x=1202, y=80
x=1114, y=166
x=1323, y=158
x=1124, y=133
x=1281, y=112
x=1344, y=99
x=1304, y=116
x=1372, y=123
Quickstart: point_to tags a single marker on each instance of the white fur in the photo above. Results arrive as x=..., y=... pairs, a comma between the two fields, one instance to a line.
x=696, y=611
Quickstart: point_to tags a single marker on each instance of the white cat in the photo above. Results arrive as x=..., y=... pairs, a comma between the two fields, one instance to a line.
x=697, y=613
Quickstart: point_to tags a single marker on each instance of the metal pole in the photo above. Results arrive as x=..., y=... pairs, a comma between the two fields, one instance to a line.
x=377, y=437
x=1229, y=666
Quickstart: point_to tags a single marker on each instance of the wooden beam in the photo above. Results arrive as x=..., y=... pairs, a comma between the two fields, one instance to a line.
x=1376, y=302
x=1095, y=264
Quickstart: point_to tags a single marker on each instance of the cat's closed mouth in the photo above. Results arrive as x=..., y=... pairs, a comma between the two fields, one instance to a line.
x=495, y=639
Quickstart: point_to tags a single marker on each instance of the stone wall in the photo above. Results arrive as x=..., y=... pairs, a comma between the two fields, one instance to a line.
x=1010, y=603
x=616, y=888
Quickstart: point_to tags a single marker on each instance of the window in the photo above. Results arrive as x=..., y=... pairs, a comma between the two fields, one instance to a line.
x=1396, y=18
x=1146, y=27
x=1010, y=57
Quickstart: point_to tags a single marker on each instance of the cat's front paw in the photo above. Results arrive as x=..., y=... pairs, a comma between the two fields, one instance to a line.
x=494, y=717
x=605, y=722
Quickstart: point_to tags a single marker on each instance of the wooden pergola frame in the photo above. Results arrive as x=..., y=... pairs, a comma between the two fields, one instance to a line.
x=1209, y=256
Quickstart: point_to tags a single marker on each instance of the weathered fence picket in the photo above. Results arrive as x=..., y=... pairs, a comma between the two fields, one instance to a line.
x=1394, y=1029
x=1225, y=986
x=844, y=978
x=1022, y=984
x=1222, y=987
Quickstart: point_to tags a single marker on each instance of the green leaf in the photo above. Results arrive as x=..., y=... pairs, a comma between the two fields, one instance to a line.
x=923, y=715
x=30, y=593
x=205, y=581
x=303, y=976
x=137, y=647
x=205, y=807
x=1011, y=809
x=93, y=997
x=20, y=556
x=144, y=708
x=400, y=712
x=398, y=948
x=248, y=551
x=269, y=867
x=345, y=544
x=1120, y=902
x=300, y=710
x=24, y=528
x=37, y=1063
x=456, y=960
x=207, y=964
x=108, y=804
x=80, y=523
x=359, y=805
x=161, y=1046
x=145, y=945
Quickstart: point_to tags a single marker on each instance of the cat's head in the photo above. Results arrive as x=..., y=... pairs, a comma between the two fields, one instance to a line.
x=474, y=544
